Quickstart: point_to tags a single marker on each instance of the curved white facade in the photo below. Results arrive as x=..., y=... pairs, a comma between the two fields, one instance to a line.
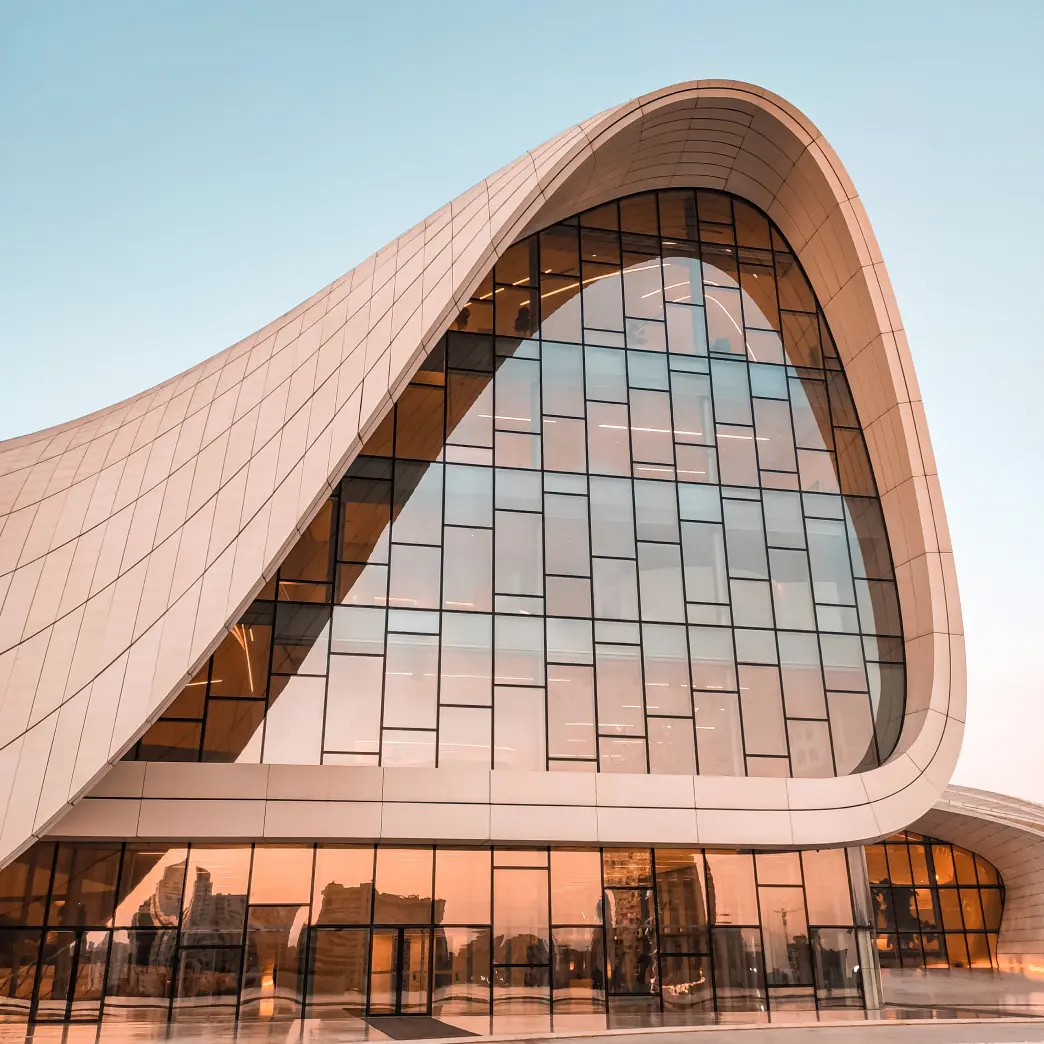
x=132, y=539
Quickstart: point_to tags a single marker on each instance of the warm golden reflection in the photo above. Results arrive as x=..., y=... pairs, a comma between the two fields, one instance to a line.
x=285, y=931
x=935, y=904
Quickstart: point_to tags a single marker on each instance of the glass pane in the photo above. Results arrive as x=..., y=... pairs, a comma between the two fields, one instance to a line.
x=337, y=982
x=566, y=532
x=826, y=887
x=608, y=446
x=730, y=883
x=631, y=940
x=408, y=748
x=563, y=379
x=672, y=747
x=171, y=741
x=579, y=970
x=469, y=420
x=651, y=430
x=519, y=650
x=402, y=890
x=233, y=730
x=466, y=668
x=687, y=984
x=23, y=886
x=522, y=995
x=627, y=866
x=214, y=907
x=384, y=971
x=150, y=886
x=576, y=887
x=737, y=968
x=971, y=909
x=281, y=874
x=343, y=885
x=810, y=755
x=992, y=908
x=467, y=569
x=414, y=975
x=273, y=970
x=519, y=554
x=719, y=743
x=519, y=729
x=415, y=573
x=570, y=712
x=835, y=954
x=853, y=732
x=140, y=973
x=208, y=982
x=465, y=736
x=942, y=858
x=353, y=704
x=659, y=582
x=785, y=931
x=55, y=985
x=462, y=971
x=615, y=586
x=617, y=754
x=84, y=889
x=241, y=661
x=462, y=884
x=965, y=864
x=19, y=954
x=520, y=917
x=682, y=901
x=764, y=731
x=778, y=868
x=612, y=518
x=411, y=681
x=724, y=321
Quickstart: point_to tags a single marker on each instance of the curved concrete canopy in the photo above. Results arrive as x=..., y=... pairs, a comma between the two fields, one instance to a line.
x=1010, y=834
x=131, y=539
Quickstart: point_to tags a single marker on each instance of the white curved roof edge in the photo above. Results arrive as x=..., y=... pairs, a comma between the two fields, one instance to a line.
x=133, y=538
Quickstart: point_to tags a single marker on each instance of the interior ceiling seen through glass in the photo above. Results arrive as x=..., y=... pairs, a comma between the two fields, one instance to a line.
x=622, y=520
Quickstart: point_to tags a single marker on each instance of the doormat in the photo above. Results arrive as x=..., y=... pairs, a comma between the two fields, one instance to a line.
x=415, y=1027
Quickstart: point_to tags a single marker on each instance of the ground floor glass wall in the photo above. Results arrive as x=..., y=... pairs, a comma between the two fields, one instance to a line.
x=115, y=931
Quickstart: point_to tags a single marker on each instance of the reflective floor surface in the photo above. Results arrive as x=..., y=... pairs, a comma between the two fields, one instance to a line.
x=892, y=1025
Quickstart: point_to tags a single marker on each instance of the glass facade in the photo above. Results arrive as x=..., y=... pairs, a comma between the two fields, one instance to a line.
x=261, y=932
x=622, y=520
x=935, y=905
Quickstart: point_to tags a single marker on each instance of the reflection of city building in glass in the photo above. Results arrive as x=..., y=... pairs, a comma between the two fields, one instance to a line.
x=535, y=625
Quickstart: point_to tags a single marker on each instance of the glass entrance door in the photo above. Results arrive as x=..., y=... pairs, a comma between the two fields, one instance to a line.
x=400, y=967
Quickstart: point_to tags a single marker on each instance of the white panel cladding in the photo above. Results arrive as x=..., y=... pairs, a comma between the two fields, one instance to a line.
x=253, y=439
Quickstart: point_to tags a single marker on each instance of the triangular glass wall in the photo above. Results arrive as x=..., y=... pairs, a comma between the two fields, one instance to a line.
x=622, y=520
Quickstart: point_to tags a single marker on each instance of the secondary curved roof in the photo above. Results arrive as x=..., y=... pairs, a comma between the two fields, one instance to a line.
x=131, y=539
x=1009, y=832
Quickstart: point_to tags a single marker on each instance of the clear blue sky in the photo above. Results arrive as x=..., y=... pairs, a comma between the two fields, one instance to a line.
x=176, y=174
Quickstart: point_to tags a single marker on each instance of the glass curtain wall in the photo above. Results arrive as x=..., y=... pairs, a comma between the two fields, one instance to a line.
x=935, y=905
x=622, y=520
x=265, y=932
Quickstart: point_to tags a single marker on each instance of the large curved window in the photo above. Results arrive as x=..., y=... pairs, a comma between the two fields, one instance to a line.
x=936, y=905
x=622, y=519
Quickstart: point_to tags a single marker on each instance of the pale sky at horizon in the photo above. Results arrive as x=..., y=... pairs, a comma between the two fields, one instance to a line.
x=176, y=175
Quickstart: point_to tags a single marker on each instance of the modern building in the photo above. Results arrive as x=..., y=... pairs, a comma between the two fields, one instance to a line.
x=535, y=623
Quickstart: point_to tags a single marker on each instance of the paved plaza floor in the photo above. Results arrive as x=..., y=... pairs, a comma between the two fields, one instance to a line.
x=890, y=1026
